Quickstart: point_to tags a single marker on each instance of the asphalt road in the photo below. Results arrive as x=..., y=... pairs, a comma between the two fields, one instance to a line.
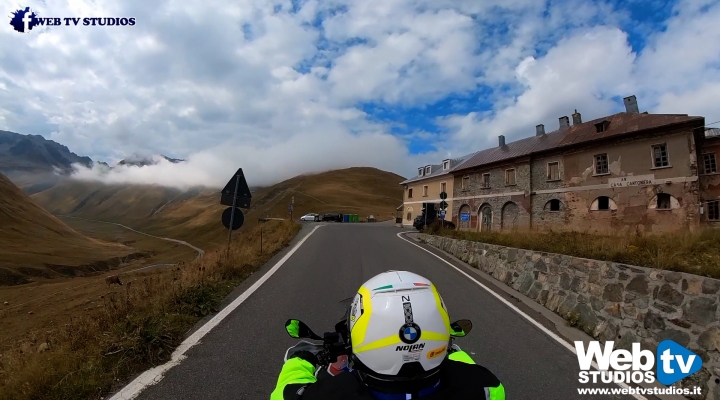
x=241, y=357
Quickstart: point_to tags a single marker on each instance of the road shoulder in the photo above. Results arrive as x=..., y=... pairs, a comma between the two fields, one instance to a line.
x=548, y=319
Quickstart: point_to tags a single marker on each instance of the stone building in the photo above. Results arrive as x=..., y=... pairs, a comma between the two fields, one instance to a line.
x=627, y=171
x=426, y=187
x=710, y=177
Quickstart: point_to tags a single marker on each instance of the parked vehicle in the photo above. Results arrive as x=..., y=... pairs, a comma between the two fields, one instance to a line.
x=310, y=217
x=371, y=218
x=332, y=217
x=420, y=225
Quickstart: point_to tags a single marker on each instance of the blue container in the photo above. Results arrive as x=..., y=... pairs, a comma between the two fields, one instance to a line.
x=346, y=217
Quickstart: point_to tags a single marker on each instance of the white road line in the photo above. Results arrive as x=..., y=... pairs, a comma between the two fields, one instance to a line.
x=517, y=310
x=155, y=375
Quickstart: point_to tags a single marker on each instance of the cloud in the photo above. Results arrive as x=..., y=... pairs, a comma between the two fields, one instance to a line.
x=582, y=72
x=282, y=87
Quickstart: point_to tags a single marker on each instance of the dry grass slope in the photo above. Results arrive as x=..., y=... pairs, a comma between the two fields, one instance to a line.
x=358, y=190
x=696, y=253
x=34, y=243
x=135, y=327
x=194, y=215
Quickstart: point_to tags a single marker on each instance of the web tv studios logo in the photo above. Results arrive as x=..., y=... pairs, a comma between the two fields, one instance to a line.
x=25, y=20
x=671, y=361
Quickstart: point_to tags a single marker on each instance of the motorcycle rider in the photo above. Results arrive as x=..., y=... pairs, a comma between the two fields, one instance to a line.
x=400, y=333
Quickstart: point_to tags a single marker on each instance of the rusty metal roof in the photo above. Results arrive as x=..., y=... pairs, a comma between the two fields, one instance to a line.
x=619, y=124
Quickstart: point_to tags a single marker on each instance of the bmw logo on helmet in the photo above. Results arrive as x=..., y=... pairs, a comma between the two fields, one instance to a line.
x=410, y=333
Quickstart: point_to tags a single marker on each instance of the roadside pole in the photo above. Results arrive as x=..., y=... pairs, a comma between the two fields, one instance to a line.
x=443, y=207
x=233, y=218
x=425, y=211
x=232, y=215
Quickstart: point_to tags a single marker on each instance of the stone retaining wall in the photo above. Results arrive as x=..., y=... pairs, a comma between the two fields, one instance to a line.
x=611, y=301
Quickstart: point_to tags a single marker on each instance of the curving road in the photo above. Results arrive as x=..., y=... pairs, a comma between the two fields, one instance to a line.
x=238, y=353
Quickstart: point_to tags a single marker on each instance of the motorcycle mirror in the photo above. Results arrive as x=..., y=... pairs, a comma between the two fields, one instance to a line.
x=460, y=328
x=298, y=329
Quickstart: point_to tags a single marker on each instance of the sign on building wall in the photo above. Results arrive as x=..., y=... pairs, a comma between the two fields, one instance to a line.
x=465, y=217
x=625, y=181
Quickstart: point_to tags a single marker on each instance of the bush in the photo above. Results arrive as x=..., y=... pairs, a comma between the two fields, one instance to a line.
x=439, y=226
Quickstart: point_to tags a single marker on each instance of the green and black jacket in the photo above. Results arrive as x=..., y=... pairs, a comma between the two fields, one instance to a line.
x=460, y=378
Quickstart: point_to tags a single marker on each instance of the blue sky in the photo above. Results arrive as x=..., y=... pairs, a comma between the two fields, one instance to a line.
x=644, y=17
x=397, y=83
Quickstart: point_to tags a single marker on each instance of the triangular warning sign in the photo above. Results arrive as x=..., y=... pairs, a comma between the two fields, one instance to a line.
x=243, y=191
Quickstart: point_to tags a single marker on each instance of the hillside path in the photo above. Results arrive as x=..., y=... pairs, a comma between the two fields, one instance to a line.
x=200, y=251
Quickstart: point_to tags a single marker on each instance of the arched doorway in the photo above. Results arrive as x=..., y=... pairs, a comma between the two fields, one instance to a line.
x=485, y=218
x=464, y=223
x=509, y=215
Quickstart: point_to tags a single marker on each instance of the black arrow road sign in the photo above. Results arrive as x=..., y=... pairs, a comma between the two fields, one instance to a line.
x=243, y=191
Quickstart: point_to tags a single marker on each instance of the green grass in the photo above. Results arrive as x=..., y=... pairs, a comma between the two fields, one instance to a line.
x=692, y=252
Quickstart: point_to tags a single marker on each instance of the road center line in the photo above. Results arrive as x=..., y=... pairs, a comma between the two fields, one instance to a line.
x=514, y=308
x=155, y=375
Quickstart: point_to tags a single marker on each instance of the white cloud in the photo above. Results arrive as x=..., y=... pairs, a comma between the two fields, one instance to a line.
x=581, y=73
x=229, y=85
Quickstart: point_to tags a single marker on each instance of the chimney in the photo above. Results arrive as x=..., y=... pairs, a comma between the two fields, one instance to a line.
x=501, y=140
x=540, y=130
x=576, y=118
x=564, y=122
x=631, y=105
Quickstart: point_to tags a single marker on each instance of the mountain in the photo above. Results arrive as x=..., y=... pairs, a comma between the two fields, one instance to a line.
x=194, y=215
x=32, y=153
x=34, y=243
x=140, y=161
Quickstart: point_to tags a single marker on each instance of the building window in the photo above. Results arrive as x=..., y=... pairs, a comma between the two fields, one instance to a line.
x=446, y=165
x=465, y=182
x=410, y=193
x=713, y=207
x=663, y=201
x=601, y=164
x=443, y=186
x=425, y=191
x=553, y=171
x=409, y=216
x=486, y=180
x=510, y=177
x=603, y=203
x=554, y=205
x=427, y=170
x=420, y=171
x=709, y=163
x=660, y=156
x=600, y=127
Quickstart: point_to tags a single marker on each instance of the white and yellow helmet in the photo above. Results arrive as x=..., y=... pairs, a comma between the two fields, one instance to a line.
x=399, y=327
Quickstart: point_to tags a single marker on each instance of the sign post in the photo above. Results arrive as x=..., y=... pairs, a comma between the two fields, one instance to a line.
x=443, y=206
x=232, y=214
x=232, y=217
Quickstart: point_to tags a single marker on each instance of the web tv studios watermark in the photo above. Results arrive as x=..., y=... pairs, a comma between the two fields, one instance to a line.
x=670, y=363
x=24, y=21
